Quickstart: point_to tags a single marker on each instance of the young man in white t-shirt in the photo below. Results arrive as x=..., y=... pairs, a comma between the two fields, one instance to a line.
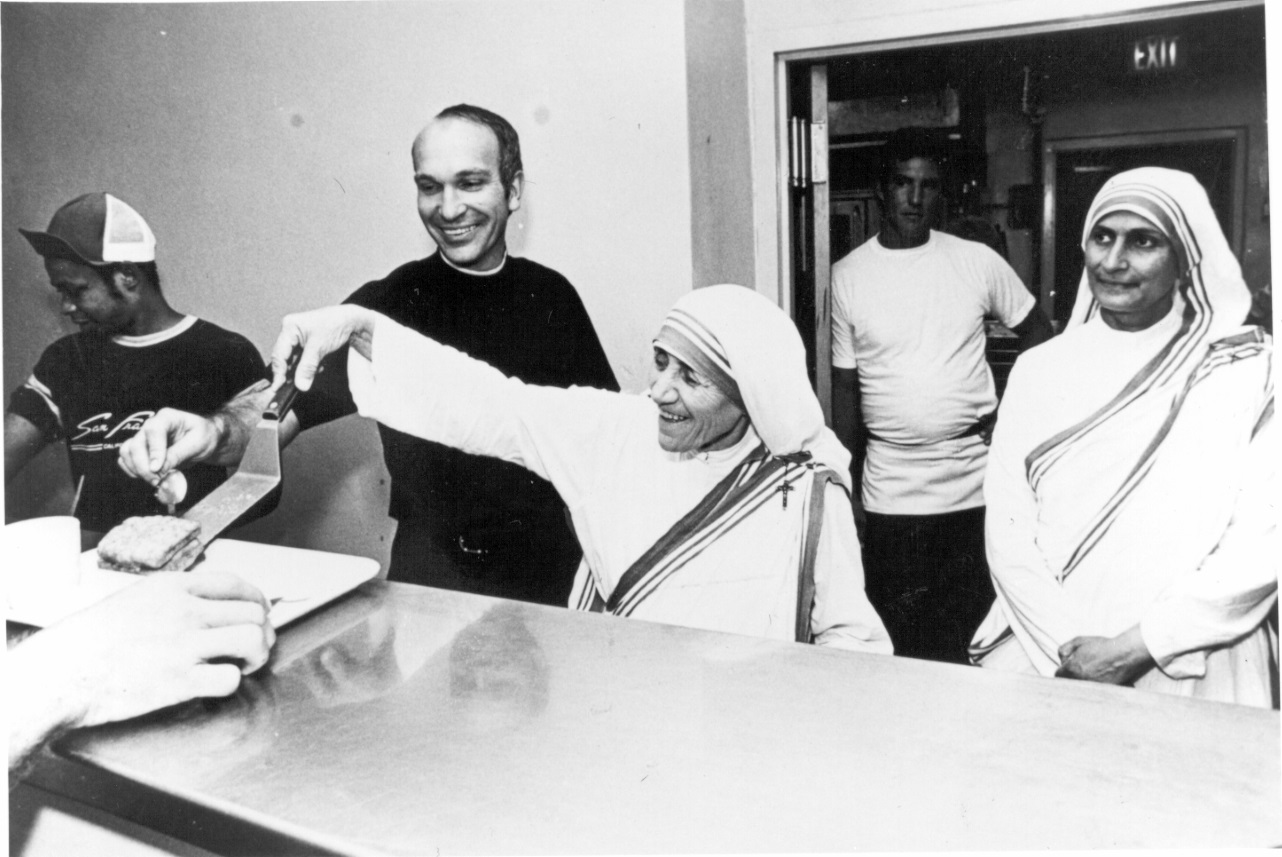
x=910, y=378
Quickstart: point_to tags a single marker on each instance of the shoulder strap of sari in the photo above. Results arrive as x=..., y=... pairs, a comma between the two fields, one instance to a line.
x=741, y=492
x=589, y=600
x=1155, y=373
x=806, y=572
x=1220, y=353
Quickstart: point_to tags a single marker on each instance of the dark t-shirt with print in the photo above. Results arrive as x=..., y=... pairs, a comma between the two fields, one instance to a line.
x=94, y=392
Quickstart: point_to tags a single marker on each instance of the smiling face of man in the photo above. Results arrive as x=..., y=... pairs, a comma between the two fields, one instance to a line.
x=461, y=197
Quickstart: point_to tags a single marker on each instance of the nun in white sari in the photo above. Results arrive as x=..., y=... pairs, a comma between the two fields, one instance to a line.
x=719, y=501
x=1132, y=483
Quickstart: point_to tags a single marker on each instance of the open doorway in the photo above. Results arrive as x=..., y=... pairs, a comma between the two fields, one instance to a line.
x=1035, y=124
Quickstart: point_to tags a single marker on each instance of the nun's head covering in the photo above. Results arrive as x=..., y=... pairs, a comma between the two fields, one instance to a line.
x=1211, y=291
x=751, y=351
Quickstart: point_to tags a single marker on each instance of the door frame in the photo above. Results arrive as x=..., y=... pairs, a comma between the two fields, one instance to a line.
x=778, y=253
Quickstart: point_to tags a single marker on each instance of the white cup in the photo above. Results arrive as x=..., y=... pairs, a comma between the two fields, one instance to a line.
x=41, y=557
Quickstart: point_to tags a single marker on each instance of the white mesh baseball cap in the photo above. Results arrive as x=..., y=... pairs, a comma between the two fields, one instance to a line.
x=95, y=229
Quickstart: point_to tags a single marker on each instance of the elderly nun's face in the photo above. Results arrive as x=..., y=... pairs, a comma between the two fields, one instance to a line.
x=1132, y=269
x=694, y=415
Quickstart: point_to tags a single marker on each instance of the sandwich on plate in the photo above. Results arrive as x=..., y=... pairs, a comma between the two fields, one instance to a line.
x=153, y=543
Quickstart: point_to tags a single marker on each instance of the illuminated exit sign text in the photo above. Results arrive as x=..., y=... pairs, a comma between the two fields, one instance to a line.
x=1157, y=53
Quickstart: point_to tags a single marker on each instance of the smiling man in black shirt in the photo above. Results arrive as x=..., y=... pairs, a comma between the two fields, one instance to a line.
x=463, y=522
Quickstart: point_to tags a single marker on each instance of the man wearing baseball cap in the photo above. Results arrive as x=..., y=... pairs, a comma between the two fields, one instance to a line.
x=133, y=355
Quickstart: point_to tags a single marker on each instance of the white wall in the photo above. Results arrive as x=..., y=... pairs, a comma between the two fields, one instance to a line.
x=777, y=27
x=268, y=146
x=720, y=157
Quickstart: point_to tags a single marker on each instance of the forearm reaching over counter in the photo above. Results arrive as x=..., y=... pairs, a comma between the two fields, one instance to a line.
x=161, y=641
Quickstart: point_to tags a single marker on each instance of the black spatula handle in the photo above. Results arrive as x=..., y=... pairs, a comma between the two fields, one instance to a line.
x=280, y=404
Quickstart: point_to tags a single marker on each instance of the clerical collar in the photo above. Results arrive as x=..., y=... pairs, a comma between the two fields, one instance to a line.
x=476, y=273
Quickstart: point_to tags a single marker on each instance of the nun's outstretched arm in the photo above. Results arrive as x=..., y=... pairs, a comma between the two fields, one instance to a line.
x=411, y=383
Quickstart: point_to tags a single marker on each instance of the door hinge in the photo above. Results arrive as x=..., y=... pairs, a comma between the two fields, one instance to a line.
x=807, y=152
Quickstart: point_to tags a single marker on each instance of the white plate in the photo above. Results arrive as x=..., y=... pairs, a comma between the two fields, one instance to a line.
x=302, y=579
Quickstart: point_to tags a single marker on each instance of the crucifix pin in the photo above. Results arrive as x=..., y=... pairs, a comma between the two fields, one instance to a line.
x=783, y=489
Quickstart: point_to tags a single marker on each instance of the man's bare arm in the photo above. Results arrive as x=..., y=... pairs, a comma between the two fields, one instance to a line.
x=22, y=442
x=1033, y=330
x=173, y=439
x=161, y=641
x=234, y=422
x=845, y=405
x=847, y=422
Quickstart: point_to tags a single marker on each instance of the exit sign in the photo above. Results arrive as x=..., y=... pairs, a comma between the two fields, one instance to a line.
x=1157, y=54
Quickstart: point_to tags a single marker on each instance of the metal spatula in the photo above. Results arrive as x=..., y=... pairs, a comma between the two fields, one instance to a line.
x=259, y=470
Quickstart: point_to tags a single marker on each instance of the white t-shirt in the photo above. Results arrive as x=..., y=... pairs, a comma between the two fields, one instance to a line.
x=912, y=322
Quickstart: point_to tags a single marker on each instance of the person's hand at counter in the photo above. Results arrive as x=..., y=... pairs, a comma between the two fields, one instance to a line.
x=165, y=640
x=1111, y=660
x=320, y=333
x=172, y=439
x=166, y=441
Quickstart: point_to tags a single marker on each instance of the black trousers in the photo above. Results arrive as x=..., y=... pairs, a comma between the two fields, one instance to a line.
x=927, y=577
x=539, y=570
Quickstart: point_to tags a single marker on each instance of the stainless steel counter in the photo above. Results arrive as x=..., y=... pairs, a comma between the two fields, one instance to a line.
x=410, y=720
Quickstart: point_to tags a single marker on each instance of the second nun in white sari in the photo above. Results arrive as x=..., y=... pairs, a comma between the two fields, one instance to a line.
x=719, y=501
x=1132, y=484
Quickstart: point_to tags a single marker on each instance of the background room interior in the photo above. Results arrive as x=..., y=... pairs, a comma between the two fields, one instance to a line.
x=268, y=146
